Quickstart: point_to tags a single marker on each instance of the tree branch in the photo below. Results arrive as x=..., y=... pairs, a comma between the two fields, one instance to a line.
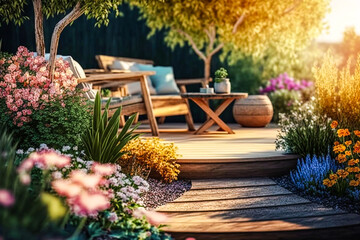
x=218, y=48
x=59, y=27
x=238, y=23
x=211, y=33
x=288, y=10
x=193, y=44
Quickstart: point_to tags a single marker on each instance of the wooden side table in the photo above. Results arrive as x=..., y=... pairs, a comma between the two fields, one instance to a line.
x=200, y=100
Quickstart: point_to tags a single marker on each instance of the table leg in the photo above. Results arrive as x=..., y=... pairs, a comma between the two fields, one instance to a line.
x=148, y=106
x=213, y=115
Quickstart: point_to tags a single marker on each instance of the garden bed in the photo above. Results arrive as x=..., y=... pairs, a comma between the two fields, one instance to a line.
x=343, y=203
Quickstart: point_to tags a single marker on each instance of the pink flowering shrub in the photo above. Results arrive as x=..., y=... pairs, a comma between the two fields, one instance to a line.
x=37, y=109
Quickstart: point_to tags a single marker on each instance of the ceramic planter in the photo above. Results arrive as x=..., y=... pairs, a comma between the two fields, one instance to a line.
x=223, y=87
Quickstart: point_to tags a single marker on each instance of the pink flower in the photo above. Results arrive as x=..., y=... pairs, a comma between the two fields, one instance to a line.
x=25, y=178
x=190, y=238
x=86, y=180
x=112, y=217
x=66, y=188
x=154, y=218
x=54, y=159
x=103, y=169
x=7, y=199
x=91, y=203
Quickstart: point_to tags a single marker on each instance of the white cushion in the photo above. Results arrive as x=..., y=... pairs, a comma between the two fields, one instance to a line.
x=133, y=88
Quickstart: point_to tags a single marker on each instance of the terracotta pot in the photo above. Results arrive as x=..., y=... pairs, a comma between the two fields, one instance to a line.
x=253, y=111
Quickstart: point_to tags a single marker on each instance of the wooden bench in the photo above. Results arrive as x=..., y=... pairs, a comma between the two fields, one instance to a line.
x=163, y=105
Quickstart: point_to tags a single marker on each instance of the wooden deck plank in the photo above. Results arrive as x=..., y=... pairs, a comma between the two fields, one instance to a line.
x=232, y=193
x=291, y=224
x=232, y=204
x=230, y=183
x=251, y=215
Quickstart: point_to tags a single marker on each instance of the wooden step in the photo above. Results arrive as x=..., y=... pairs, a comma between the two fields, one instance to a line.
x=257, y=214
x=232, y=204
x=236, y=168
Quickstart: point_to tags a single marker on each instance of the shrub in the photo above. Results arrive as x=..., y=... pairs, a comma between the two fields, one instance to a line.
x=36, y=109
x=346, y=180
x=284, y=91
x=310, y=172
x=24, y=214
x=102, y=199
x=304, y=132
x=102, y=141
x=338, y=91
x=144, y=155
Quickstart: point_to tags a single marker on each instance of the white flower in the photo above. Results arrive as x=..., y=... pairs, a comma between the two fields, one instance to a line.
x=57, y=175
x=112, y=217
x=20, y=151
x=65, y=148
x=75, y=148
x=43, y=146
x=30, y=150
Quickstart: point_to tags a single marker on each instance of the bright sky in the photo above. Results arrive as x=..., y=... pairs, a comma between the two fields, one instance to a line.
x=344, y=13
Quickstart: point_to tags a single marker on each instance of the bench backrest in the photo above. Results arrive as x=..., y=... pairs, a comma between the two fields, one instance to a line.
x=105, y=61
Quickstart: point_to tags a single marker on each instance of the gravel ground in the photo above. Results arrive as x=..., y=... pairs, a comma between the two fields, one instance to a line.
x=342, y=203
x=160, y=193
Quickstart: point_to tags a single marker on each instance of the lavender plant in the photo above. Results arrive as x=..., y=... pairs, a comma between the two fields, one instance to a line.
x=310, y=173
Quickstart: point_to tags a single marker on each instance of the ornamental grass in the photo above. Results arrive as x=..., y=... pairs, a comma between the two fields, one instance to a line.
x=338, y=91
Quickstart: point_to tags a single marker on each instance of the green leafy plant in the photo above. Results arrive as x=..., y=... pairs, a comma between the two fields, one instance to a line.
x=105, y=92
x=220, y=74
x=102, y=141
x=304, y=131
x=28, y=214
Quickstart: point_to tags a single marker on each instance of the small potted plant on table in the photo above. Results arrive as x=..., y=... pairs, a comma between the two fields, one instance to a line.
x=222, y=83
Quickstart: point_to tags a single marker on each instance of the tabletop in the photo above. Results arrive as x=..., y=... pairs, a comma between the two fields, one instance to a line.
x=214, y=95
x=131, y=76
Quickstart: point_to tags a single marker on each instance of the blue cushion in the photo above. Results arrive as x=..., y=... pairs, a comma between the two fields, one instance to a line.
x=163, y=80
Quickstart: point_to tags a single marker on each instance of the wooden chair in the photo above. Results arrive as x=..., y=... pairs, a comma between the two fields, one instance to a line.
x=163, y=105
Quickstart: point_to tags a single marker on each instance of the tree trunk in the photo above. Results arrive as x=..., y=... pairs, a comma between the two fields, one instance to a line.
x=39, y=29
x=73, y=15
x=207, y=65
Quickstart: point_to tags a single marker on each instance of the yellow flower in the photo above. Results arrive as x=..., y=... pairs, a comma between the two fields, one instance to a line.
x=341, y=158
x=343, y=132
x=334, y=124
x=333, y=176
x=357, y=147
x=339, y=148
x=352, y=162
x=348, y=143
x=357, y=175
x=354, y=183
x=348, y=153
x=342, y=173
x=336, y=143
x=356, y=169
x=357, y=133
x=327, y=182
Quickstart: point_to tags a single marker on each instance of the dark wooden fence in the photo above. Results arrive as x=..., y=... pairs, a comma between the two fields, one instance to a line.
x=124, y=36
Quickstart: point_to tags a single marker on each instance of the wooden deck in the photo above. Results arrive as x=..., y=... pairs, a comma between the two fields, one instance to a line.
x=233, y=198
x=250, y=152
x=255, y=208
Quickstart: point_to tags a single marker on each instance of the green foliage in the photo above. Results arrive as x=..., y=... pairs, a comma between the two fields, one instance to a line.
x=33, y=214
x=12, y=11
x=304, y=131
x=282, y=25
x=283, y=102
x=58, y=126
x=220, y=74
x=102, y=141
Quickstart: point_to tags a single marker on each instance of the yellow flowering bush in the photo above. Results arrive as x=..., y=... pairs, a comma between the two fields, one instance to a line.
x=347, y=150
x=146, y=154
x=338, y=91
